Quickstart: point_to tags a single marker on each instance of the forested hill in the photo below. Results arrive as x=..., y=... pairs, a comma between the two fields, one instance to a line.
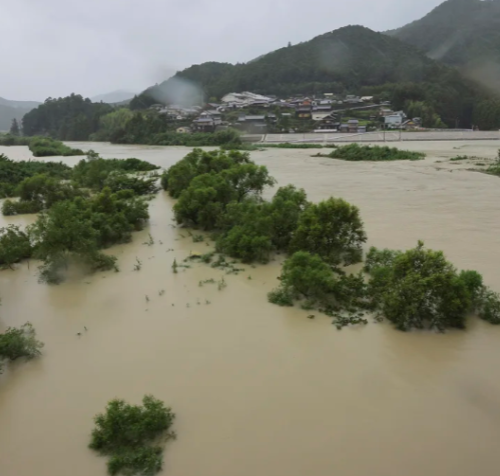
x=341, y=61
x=13, y=110
x=462, y=33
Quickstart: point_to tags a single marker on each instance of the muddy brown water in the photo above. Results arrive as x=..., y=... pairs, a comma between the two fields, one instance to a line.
x=260, y=390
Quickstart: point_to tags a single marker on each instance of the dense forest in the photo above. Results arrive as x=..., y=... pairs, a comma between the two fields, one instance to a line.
x=463, y=33
x=69, y=118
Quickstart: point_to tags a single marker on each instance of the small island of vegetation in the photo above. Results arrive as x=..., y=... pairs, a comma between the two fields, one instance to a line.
x=132, y=435
x=376, y=153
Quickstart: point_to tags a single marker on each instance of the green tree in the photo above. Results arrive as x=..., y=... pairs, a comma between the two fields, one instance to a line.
x=15, y=245
x=111, y=123
x=129, y=435
x=331, y=229
x=14, y=128
x=19, y=342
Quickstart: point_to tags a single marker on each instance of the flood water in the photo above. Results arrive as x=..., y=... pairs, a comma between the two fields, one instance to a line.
x=257, y=389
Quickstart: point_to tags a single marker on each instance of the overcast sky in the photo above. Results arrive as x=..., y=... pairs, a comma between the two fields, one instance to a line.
x=55, y=47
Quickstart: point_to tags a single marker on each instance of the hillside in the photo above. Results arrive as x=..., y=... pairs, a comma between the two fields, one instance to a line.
x=114, y=97
x=341, y=61
x=461, y=33
x=13, y=109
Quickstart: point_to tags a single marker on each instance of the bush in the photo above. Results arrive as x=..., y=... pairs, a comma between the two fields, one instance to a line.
x=127, y=433
x=331, y=229
x=10, y=207
x=17, y=343
x=356, y=152
x=73, y=231
x=199, y=162
x=420, y=289
x=94, y=172
x=118, y=181
x=47, y=147
x=280, y=297
x=15, y=245
x=12, y=173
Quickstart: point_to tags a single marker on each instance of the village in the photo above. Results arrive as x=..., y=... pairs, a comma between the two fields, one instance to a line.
x=257, y=114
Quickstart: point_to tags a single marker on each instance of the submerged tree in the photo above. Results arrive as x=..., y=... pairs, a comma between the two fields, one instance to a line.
x=129, y=435
x=331, y=229
x=19, y=342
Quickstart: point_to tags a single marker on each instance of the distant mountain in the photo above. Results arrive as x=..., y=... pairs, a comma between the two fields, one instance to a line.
x=13, y=109
x=114, y=97
x=461, y=33
x=344, y=60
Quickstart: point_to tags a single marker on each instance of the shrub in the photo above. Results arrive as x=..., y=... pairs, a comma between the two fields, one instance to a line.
x=46, y=147
x=331, y=229
x=420, y=289
x=280, y=297
x=127, y=433
x=199, y=162
x=15, y=245
x=356, y=152
x=22, y=342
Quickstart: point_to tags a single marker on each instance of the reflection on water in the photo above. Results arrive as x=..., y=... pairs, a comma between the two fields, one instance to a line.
x=259, y=389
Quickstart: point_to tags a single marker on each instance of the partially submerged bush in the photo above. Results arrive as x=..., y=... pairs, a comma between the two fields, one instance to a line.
x=19, y=342
x=15, y=245
x=420, y=289
x=129, y=434
x=47, y=147
x=12, y=173
x=356, y=152
x=331, y=229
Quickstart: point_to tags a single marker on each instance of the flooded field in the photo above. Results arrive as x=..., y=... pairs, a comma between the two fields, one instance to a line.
x=261, y=390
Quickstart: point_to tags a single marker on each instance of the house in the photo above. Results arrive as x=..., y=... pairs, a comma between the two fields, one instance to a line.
x=353, y=125
x=252, y=124
x=325, y=121
x=351, y=99
x=303, y=110
x=207, y=121
x=366, y=98
x=394, y=120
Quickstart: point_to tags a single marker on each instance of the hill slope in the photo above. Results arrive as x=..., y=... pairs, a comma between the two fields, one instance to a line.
x=113, y=97
x=344, y=60
x=462, y=33
x=13, y=109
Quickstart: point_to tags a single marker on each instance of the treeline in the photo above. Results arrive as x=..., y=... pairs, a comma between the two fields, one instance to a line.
x=84, y=210
x=71, y=118
x=221, y=192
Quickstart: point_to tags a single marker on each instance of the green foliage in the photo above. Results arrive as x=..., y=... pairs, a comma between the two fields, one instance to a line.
x=15, y=245
x=47, y=147
x=117, y=181
x=331, y=229
x=305, y=275
x=199, y=162
x=111, y=123
x=12, y=173
x=9, y=139
x=356, y=152
x=72, y=232
x=14, y=128
x=95, y=173
x=11, y=207
x=21, y=342
x=288, y=145
x=203, y=203
x=128, y=435
x=280, y=297
x=308, y=278
x=72, y=118
x=420, y=289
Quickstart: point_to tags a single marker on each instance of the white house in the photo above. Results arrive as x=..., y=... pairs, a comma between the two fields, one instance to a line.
x=395, y=120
